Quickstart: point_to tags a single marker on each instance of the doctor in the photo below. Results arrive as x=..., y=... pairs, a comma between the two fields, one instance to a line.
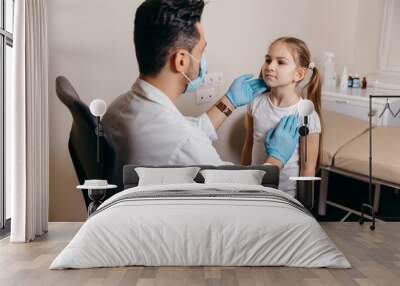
x=144, y=125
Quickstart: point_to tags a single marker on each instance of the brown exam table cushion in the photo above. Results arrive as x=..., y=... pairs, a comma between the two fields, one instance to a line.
x=354, y=156
x=338, y=130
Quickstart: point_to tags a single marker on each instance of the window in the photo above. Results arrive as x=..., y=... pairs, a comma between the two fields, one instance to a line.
x=6, y=60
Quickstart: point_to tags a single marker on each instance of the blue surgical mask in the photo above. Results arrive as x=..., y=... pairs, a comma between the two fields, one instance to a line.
x=194, y=84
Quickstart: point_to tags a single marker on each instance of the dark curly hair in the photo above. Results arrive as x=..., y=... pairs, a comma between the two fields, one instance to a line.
x=162, y=26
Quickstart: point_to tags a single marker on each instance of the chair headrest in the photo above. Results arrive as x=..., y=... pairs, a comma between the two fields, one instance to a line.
x=68, y=95
x=65, y=91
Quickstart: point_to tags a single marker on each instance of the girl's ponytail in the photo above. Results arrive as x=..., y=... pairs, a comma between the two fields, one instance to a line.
x=314, y=90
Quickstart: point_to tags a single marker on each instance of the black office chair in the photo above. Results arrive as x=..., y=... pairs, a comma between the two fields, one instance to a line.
x=83, y=141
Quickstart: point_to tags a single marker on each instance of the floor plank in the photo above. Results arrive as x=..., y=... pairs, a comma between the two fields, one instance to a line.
x=375, y=257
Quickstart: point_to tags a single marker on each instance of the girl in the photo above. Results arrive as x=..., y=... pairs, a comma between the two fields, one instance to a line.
x=287, y=63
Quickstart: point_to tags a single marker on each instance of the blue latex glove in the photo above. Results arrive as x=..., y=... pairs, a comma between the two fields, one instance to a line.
x=281, y=141
x=244, y=89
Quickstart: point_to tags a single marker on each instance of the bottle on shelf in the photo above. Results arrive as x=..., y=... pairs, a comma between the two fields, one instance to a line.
x=356, y=81
x=344, y=79
x=329, y=75
x=364, y=83
x=350, y=81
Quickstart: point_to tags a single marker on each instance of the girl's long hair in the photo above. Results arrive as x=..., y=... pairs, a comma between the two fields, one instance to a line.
x=312, y=90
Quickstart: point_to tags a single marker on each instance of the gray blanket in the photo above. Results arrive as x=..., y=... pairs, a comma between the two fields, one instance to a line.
x=206, y=194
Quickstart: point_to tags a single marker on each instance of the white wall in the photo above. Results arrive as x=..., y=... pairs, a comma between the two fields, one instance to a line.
x=90, y=42
x=368, y=33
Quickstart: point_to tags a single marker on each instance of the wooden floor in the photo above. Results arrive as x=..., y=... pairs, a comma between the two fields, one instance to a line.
x=375, y=257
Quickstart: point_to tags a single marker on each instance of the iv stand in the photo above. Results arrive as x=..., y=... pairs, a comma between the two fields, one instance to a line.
x=369, y=204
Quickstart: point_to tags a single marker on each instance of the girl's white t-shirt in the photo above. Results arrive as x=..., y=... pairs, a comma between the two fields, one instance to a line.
x=266, y=116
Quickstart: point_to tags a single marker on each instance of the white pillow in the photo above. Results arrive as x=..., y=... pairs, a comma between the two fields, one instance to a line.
x=248, y=177
x=162, y=176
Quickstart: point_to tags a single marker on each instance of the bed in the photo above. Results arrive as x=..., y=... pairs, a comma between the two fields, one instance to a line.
x=201, y=224
x=345, y=151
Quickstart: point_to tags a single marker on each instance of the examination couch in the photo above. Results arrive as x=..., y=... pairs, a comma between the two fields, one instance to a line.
x=345, y=150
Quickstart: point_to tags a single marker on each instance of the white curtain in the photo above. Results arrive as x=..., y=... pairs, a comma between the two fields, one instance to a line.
x=27, y=143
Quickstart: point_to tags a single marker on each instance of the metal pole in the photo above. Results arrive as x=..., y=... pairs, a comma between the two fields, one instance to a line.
x=370, y=162
x=98, y=138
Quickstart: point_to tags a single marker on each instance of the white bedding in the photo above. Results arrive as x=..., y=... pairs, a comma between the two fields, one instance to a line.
x=190, y=230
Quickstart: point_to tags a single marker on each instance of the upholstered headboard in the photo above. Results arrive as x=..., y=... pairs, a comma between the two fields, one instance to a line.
x=270, y=179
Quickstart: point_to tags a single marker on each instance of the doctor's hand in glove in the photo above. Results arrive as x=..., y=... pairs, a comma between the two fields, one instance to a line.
x=244, y=89
x=281, y=141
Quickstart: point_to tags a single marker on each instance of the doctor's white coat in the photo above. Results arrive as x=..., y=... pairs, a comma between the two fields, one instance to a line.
x=145, y=128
